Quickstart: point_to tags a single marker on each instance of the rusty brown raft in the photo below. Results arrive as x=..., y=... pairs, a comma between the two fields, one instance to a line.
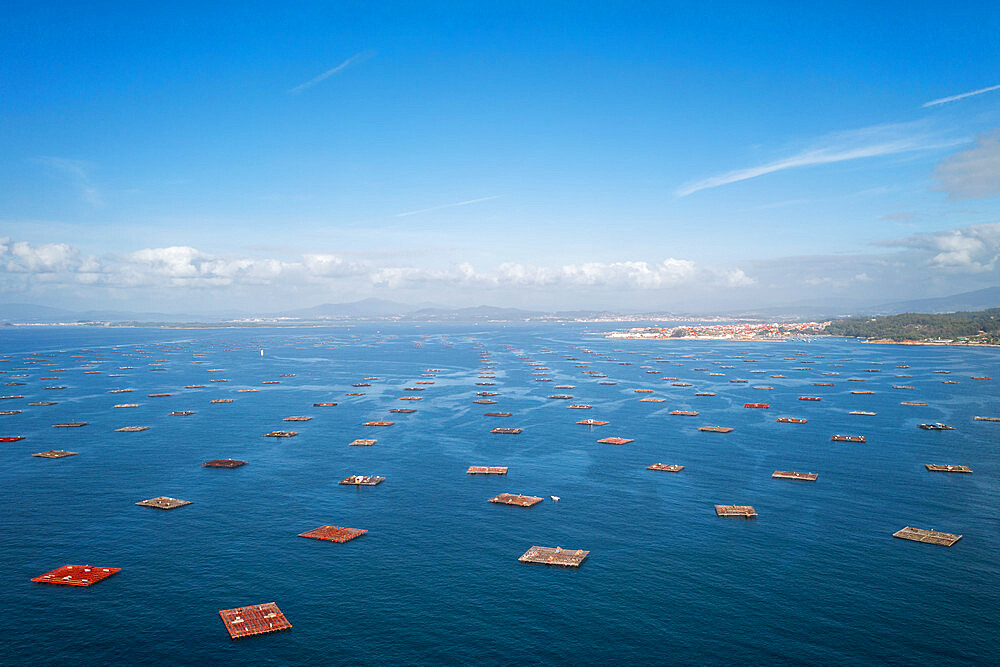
x=786, y=474
x=928, y=536
x=554, y=556
x=515, y=499
x=745, y=511
x=257, y=619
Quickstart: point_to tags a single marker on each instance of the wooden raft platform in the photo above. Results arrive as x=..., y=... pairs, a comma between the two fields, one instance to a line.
x=684, y=413
x=164, y=503
x=378, y=423
x=509, y=431
x=280, y=434
x=486, y=470
x=615, y=441
x=363, y=442
x=928, y=536
x=554, y=556
x=257, y=619
x=515, y=499
x=131, y=429
x=296, y=419
x=745, y=511
x=362, y=480
x=76, y=575
x=665, y=467
x=54, y=454
x=786, y=474
x=934, y=467
x=224, y=463
x=334, y=533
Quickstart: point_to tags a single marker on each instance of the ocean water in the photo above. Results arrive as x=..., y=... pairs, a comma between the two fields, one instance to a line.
x=816, y=578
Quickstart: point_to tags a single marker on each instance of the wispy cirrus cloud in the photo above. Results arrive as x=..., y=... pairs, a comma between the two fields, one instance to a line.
x=869, y=142
x=444, y=206
x=961, y=96
x=77, y=172
x=353, y=60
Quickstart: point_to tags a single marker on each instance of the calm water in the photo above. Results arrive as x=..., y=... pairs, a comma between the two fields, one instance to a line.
x=817, y=578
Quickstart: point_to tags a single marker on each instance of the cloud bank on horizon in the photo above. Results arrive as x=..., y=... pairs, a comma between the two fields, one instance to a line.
x=922, y=260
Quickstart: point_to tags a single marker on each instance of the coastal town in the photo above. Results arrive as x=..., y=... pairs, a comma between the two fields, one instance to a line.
x=744, y=331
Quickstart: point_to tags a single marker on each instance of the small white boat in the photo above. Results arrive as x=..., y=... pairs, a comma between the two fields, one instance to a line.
x=555, y=498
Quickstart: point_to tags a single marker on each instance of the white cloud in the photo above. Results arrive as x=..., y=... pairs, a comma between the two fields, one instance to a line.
x=866, y=142
x=637, y=275
x=973, y=173
x=21, y=257
x=974, y=249
x=737, y=278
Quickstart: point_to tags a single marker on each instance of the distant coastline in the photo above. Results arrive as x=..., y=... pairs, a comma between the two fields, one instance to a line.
x=884, y=341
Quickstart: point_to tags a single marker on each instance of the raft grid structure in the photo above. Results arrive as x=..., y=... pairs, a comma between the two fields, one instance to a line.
x=164, y=503
x=254, y=620
x=787, y=474
x=743, y=511
x=554, y=556
x=486, y=470
x=334, y=533
x=224, y=463
x=76, y=575
x=515, y=499
x=54, y=454
x=362, y=480
x=928, y=536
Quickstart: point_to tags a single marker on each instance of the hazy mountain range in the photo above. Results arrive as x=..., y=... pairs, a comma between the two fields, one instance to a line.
x=380, y=309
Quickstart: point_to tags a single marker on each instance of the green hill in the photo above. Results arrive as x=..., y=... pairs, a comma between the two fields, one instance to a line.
x=980, y=327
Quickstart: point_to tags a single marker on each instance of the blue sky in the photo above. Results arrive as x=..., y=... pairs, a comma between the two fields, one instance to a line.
x=558, y=155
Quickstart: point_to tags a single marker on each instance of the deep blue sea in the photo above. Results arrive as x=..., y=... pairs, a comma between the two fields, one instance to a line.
x=817, y=578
